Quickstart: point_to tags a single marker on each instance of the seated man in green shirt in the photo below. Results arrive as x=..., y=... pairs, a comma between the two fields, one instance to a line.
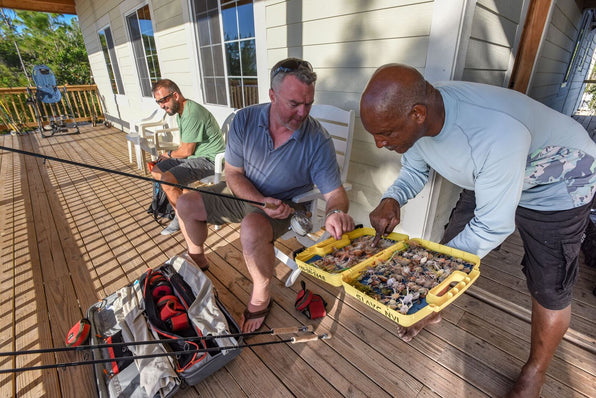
x=200, y=140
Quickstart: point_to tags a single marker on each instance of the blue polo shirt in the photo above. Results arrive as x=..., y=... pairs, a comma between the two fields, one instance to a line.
x=306, y=159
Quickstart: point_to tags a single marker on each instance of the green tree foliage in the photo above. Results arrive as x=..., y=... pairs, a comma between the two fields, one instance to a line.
x=41, y=38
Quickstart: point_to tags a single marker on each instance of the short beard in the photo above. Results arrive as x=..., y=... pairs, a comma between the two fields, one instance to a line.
x=174, y=109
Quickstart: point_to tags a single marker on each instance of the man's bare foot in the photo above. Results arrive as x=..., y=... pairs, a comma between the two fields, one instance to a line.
x=254, y=316
x=528, y=384
x=198, y=259
x=407, y=334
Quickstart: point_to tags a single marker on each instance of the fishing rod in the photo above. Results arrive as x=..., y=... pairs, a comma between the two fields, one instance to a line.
x=293, y=340
x=271, y=332
x=122, y=173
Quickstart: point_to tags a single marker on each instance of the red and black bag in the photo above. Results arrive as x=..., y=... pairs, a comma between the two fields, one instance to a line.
x=310, y=304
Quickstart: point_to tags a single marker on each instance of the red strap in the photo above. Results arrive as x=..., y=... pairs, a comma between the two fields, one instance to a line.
x=303, y=300
x=114, y=364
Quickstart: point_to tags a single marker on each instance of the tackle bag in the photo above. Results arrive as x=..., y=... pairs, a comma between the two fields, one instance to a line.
x=174, y=301
x=160, y=206
x=310, y=304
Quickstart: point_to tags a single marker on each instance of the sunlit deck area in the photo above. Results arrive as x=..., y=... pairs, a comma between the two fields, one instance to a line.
x=71, y=236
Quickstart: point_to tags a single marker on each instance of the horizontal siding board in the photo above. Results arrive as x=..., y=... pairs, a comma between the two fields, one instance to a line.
x=413, y=21
x=493, y=28
x=343, y=79
x=506, y=8
x=495, y=78
x=482, y=55
x=559, y=39
x=563, y=22
x=296, y=11
x=370, y=54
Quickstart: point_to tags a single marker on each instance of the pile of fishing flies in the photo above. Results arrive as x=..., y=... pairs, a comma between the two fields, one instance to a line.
x=346, y=257
x=406, y=277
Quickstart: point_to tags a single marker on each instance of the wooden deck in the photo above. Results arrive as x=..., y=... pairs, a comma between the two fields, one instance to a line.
x=72, y=235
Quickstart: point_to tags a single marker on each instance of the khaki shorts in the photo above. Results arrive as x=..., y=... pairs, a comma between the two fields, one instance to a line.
x=226, y=210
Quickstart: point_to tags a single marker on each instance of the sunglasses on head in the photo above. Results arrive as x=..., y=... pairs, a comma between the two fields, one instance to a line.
x=291, y=65
x=163, y=100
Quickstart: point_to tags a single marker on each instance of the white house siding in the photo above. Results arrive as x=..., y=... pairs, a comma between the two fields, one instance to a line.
x=494, y=38
x=346, y=41
x=554, y=54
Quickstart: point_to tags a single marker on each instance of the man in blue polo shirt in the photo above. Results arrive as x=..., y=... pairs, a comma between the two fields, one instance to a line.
x=274, y=152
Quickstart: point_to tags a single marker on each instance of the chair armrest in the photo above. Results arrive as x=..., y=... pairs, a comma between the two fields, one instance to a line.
x=308, y=196
x=219, y=162
x=315, y=194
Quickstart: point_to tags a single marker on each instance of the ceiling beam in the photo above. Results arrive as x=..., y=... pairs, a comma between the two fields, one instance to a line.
x=54, y=6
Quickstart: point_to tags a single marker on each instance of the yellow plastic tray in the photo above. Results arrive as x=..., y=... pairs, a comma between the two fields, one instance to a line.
x=327, y=246
x=459, y=280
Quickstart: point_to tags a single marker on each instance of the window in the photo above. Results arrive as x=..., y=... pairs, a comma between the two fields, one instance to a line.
x=107, y=47
x=143, y=44
x=227, y=52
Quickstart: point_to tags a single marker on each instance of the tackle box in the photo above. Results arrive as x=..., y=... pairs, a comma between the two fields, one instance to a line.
x=124, y=316
x=437, y=298
x=308, y=256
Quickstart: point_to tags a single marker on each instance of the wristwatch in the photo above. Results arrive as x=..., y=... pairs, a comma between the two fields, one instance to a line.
x=330, y=212
x=169, y=154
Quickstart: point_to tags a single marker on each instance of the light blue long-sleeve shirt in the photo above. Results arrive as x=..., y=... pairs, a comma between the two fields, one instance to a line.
x=508, y=148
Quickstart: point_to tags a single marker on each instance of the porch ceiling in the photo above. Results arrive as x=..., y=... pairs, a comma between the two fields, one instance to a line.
x=57, y=6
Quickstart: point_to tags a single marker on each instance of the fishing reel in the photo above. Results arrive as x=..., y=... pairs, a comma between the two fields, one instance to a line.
x=301, y=223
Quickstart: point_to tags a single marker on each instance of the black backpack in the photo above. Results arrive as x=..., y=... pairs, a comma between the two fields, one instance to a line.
x=160, y=207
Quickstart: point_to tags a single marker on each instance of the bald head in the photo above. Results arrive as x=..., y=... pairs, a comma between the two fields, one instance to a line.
x=392, y=91
x=398, y=107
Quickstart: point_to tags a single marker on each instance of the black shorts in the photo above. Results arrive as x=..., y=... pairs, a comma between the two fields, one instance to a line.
x=552, y=241
x=188, y=170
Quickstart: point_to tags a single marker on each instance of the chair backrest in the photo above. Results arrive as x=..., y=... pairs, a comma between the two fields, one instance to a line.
x=340, y=125
x=225, y=125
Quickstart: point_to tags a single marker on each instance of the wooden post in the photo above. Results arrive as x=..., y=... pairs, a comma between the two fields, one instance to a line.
x=528, y=47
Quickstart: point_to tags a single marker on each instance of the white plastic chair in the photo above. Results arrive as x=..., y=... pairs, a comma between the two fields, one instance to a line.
x=340, y=125
x=220, y=157
x=157, y=117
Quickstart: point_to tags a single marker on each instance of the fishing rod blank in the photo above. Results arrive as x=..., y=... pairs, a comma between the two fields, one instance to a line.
x=293, y=340
x=122, y=173
x=271, y=332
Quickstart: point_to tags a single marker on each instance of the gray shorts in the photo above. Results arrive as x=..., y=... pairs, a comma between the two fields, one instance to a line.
x=552, y=241
x=226, y=210
x=188, y=170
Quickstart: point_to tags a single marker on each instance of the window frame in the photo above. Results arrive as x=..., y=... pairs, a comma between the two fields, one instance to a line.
x=144, y=91
x=118, y=85
x=222, y=53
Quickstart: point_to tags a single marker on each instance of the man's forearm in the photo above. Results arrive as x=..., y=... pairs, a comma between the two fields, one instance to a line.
x=242, y=187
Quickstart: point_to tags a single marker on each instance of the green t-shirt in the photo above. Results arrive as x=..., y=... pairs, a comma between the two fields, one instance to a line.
x=198, y=125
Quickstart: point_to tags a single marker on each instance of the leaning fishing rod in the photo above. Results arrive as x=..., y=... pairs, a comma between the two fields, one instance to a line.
x=300, y=222
x=149, y=179
x=293, y=340
x=271, y=332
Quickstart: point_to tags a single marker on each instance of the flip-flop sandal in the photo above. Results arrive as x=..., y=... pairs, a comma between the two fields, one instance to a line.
x=258, y=314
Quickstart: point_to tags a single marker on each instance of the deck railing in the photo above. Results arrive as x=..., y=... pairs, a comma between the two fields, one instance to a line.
x=16, y=106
